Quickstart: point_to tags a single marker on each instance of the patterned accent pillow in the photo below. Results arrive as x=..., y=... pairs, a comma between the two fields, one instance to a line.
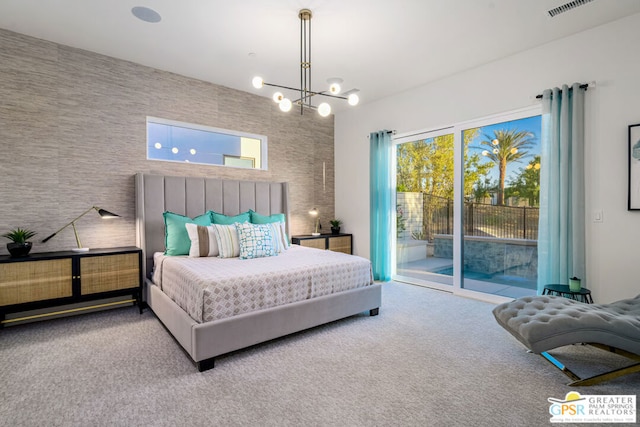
x=256, y=240
x=284, y=237
x=227, y=238
x=203, y=241
x=280, y=241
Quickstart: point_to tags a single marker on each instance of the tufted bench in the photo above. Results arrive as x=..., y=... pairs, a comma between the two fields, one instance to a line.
x=543, y=323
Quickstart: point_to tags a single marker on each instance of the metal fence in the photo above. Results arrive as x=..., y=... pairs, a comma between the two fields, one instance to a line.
x=506, y=222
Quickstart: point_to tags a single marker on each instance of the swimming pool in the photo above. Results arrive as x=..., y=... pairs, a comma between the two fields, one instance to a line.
x=502, y=278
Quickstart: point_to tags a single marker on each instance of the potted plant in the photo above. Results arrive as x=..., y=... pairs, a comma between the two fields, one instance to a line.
x=335, y=226
x=19, y=245
x=574, y=284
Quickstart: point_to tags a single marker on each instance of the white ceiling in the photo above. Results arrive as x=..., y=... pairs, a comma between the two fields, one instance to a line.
x=379, y=47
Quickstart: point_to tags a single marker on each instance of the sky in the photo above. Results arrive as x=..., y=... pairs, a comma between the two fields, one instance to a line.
x=531, y=124
x=193, y=145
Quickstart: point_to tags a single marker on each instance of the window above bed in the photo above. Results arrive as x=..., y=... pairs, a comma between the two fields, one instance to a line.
x=173, y=141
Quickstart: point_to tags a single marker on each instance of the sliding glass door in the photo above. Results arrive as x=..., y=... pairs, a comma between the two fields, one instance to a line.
x=501, y=205
x=424, y=207
x=467, y=202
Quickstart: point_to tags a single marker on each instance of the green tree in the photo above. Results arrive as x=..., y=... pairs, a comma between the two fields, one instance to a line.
x=527, y=183
x=506, y=146
x=427, y=166
x=483, y=189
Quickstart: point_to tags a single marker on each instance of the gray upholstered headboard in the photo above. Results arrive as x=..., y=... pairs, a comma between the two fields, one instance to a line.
x=192, y=196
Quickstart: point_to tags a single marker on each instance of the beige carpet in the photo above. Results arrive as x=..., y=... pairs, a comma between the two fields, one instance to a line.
x=428, y=359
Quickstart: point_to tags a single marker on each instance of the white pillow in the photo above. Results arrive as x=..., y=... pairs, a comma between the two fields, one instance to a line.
x=227, y=238
x=280, y=242
x=256, y=240
x=203, y=240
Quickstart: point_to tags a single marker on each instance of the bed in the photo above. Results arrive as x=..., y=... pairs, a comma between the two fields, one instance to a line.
x=203, y=329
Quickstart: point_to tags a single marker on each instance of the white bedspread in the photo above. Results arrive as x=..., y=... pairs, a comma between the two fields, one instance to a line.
x=214, y=288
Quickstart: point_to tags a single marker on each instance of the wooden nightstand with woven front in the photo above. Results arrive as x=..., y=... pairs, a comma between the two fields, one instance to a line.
x=333, y=242
x=53, y=279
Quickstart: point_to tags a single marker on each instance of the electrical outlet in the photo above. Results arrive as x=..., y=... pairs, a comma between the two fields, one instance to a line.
x=598, y=216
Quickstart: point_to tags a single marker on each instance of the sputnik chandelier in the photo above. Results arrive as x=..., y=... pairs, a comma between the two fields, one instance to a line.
x=305, y=92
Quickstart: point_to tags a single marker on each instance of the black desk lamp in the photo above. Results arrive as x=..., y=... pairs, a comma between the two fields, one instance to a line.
x=103, y=213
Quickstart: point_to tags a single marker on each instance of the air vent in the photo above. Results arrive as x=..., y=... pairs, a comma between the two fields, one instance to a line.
x=567, y=7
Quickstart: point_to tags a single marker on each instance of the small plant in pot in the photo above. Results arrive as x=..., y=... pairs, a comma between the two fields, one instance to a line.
x=19, y=246
x=335, y=226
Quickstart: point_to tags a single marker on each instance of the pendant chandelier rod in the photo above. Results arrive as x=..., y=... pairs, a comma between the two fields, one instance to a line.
x=305, y=63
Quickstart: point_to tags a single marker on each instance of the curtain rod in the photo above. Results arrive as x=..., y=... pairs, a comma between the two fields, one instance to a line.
x=584, y=86
x=387, y=131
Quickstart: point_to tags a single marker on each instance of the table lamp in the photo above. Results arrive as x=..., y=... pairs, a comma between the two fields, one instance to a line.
x=314, y=213
x=103, y=213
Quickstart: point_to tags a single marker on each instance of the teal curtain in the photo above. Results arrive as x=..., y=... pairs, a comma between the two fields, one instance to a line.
x=561, y=235
x=380, y=204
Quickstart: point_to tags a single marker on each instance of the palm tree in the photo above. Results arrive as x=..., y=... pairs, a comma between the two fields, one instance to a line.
x=506, y=147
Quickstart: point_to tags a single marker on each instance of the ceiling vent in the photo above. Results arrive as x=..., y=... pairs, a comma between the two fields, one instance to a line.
x=567, y=7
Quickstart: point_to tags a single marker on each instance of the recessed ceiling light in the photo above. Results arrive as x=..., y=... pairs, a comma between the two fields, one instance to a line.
x=145, y=14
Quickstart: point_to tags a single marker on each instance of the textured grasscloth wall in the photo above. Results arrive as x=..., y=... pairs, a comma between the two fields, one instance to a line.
x=72, y=135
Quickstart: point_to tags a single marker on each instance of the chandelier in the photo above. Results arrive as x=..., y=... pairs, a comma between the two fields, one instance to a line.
x=304, y=92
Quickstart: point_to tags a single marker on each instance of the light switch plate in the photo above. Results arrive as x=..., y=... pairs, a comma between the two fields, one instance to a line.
x=598, y=216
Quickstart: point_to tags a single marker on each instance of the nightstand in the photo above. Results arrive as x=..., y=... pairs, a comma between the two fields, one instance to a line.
x=50, y=279
x=334, y=242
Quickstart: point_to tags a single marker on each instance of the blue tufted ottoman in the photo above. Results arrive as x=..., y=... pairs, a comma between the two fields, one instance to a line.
x=543, y=323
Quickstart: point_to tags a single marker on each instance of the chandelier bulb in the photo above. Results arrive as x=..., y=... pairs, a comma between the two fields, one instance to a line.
x=324, y=109
x=257, y=82
x=277, y=97
x=285, y=105
x=334, y=88
x=353, y=99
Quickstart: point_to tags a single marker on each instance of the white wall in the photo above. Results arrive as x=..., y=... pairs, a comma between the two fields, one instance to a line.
x=606, y=55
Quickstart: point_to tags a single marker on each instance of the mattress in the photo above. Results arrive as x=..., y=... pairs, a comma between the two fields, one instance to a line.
x=212, y=288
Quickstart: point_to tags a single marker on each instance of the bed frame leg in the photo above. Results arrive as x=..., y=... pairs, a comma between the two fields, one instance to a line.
x=374, y=311
x=206, y=364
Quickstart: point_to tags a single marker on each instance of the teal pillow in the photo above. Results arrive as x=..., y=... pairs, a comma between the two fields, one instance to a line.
x=256, y=218
x=218, y=218
x=176, y=238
